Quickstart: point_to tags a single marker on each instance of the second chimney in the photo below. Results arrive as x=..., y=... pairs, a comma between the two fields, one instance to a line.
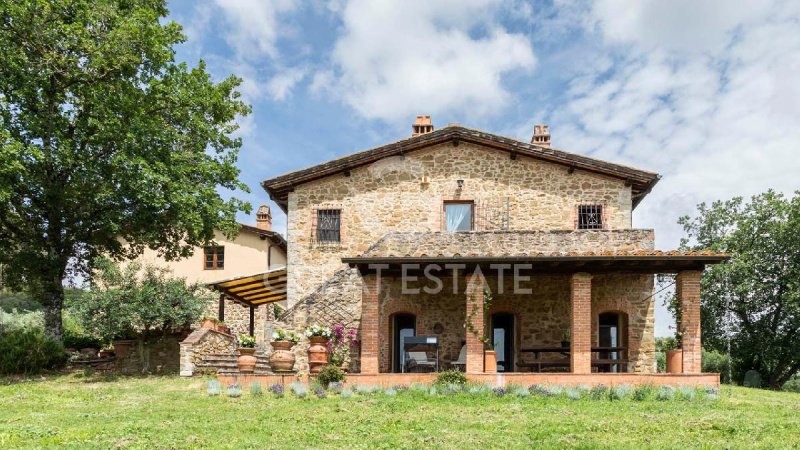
x=421, y=126
x=264, y=218
x=541, y=135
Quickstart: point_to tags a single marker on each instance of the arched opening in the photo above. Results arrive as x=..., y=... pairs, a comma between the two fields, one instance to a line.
x=403, y=326
x=503, y=340
x=613, y=340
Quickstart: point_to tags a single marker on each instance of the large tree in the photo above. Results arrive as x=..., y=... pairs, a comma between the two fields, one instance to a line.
x=108, y=145
x=753, y=301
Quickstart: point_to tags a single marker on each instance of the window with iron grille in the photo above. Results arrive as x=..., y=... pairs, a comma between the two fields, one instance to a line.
x=590, y=217
x=214, y=258
x=328, y=227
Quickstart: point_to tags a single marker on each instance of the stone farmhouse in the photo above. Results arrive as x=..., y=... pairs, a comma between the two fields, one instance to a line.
x=474, y=242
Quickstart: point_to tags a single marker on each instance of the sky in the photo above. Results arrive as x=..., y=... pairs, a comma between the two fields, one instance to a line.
x=706, y=93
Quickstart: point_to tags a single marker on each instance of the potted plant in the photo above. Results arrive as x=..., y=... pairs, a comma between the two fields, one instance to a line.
x=674, y=355
x=565, y=338
x=484, y=334
x=343, y=342
x=318, y=350
x=282, y=357
x=247, y=350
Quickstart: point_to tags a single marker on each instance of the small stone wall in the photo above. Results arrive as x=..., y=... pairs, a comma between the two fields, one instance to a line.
x=201, y=342
x=160, y=355
x=511, y=243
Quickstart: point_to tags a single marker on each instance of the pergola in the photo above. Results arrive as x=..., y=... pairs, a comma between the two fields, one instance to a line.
x=252, y=291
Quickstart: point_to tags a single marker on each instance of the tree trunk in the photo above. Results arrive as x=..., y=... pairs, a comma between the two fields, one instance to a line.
x=53, y=293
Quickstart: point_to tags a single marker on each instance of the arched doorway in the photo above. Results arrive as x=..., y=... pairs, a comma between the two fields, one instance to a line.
x=612, y=334
x=403, y=325
x=503, y=340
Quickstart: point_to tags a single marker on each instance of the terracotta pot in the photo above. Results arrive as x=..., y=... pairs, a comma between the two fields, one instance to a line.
x=247, y=360
x=122, y=348
x=209, y=324
x=489, y=361
x=282, y=357
x=674, y=361
x=317, y=354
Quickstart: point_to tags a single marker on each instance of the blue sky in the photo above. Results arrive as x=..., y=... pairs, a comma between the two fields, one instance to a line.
x=705, y=93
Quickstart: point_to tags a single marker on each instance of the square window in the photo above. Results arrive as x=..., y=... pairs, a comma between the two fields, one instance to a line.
x=329, y=222
x=458, y=216
x=214, y=258
x=590, y=217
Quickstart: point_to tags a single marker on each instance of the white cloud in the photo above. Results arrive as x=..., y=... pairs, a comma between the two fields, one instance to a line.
x=398, y=58
x=705, y=93
x=253, y=25
x=281, y=85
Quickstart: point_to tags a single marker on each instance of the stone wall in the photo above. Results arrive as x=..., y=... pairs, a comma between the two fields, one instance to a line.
x=511, y=243
x=201, y=342
x=160, y=355
x=392, y=195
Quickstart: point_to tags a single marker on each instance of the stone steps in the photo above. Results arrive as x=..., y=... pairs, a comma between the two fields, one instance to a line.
x=224, y=363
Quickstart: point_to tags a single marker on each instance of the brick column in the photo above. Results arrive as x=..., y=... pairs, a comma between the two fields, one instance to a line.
x=581, y=323
x=369, y=325
x=474, y=311
x=687, y=288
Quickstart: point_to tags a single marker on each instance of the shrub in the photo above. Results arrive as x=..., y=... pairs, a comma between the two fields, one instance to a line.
x=716, y=362
x=518, y=391
x=792, y=385
x=665, y=393
x=330, y=374
x=363, y=389
x=642, y=392
x=390, y=392
x=574, y=394
x=255, y=389
x=214, y=388
x=451, y=376
x=752, y=379
x=346, y=393
x=29, y=352
x=319, y=391
x=619, y=392
x=235, y=390
x=599, y=392
x=540, y=390
x=299, y=390
x=687, y=392
x=499, y=391
x=555, y=390
x=335, y=387
x=277, y=390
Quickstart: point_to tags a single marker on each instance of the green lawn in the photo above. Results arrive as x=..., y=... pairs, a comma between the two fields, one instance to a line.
x=71, y=411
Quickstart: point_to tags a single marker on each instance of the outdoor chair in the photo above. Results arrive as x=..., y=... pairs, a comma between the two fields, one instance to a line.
x=461, y=362
x=419, y=361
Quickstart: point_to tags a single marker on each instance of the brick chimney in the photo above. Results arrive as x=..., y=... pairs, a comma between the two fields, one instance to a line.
x=264, y=218
x=541, y=135
x=421, y=126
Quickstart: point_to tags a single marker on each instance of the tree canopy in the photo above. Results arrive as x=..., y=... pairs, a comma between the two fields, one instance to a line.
x=107, y=144
x=758, y=289
x=138, y=301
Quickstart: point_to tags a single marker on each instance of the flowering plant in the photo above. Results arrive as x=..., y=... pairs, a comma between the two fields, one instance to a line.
x=318, y=331
x=247, y=341
x=343, y=341
x=283, y=335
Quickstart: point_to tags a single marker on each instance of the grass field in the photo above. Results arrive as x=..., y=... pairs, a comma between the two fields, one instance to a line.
x=170, y=412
